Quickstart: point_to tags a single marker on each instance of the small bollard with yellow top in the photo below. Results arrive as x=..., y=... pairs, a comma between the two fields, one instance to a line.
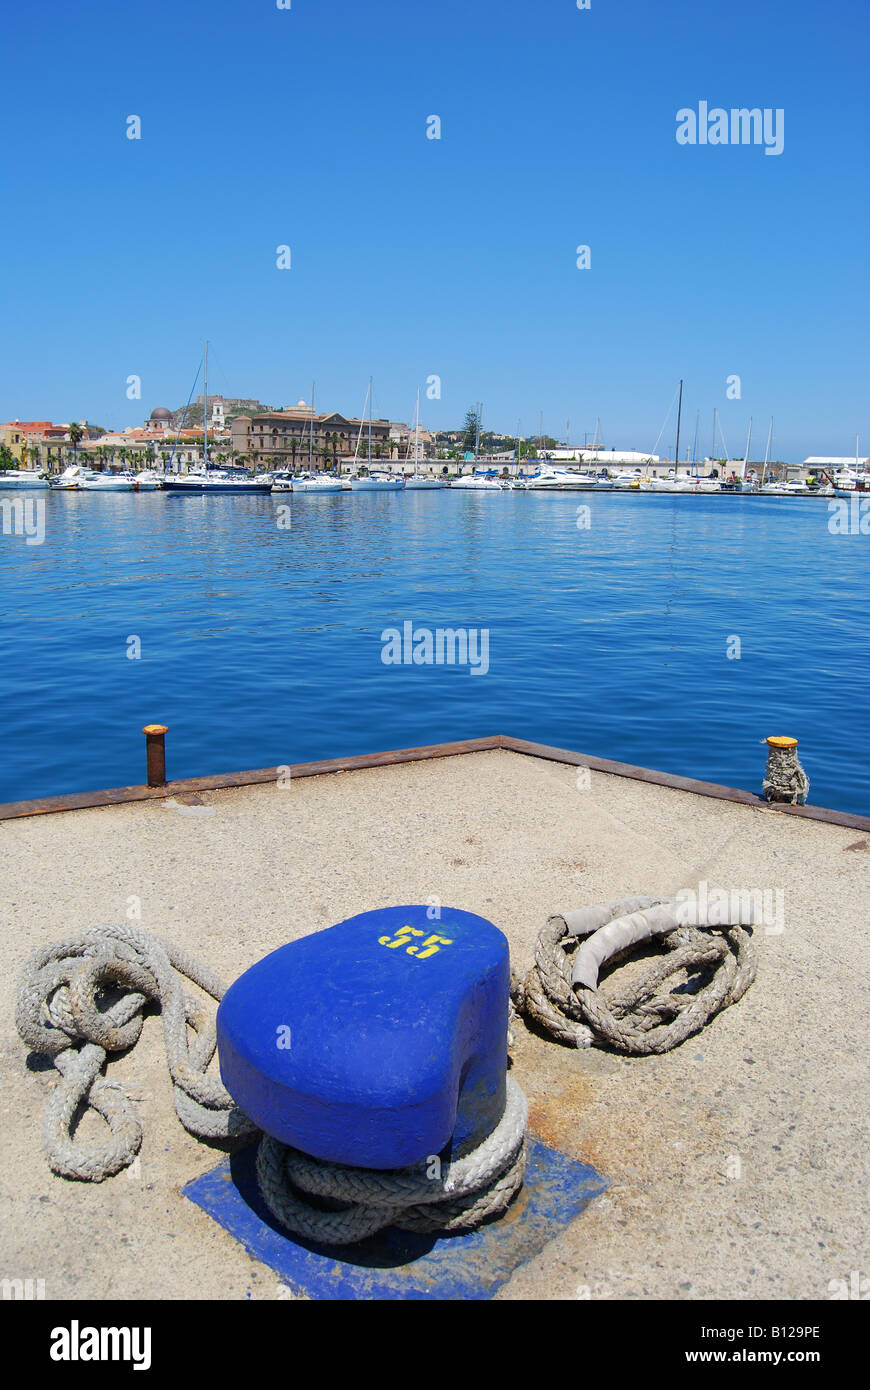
x=784, y=778
x=155, y=753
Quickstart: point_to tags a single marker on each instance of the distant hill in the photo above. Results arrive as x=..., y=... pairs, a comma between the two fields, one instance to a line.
x=232, y=408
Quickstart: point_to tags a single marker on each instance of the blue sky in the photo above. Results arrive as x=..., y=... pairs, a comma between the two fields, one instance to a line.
x=455, y=257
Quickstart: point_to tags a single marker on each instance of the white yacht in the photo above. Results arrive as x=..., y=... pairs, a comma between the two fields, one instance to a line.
x=554, y=479
x=108, y=482
x=19, y=478
x=309, y=482
x=627, y=477
x=377, y=482
x=419, y=482
x=475, y=482
x=149, y=480
x=70, y=480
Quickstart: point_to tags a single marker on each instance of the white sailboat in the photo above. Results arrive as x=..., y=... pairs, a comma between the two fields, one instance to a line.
x=309, y=481
x=372, y=481
x=417, y=481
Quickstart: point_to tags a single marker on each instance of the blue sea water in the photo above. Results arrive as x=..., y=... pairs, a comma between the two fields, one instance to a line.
x=261, y=645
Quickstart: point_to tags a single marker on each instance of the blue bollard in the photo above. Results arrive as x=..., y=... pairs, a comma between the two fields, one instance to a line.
x=376, y=1042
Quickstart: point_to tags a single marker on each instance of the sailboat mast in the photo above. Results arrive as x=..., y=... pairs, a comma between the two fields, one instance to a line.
x=205, y=408
x=679, y=417
x=746, y=455
x=371, y=413
x=417, y=436
x=767, y=451
x=311, y=429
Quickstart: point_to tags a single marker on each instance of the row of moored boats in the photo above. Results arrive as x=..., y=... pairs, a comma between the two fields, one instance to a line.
x=548, y=478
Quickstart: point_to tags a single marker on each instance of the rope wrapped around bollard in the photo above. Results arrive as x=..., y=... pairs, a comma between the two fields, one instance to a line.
x=58, y=1014
x=459, y=1196
x=561, y=992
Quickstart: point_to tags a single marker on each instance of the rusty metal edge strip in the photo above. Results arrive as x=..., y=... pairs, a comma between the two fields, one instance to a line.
x=683, y=784
x=117, y=796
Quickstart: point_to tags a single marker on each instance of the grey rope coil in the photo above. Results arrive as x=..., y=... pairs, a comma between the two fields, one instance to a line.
x=642, y=1018
x=57, y=1015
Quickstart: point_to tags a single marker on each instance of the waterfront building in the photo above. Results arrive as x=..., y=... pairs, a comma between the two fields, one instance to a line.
x=283, y=435
x=27, y=440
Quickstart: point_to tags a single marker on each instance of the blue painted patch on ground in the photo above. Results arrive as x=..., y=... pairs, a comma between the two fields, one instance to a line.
x=399, y=1264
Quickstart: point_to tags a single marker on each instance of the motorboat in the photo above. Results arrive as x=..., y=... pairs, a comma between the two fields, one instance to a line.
x=149, y=480
x=20, y=478
x=554, y=479
x=70, y=480
x=627, y=477
x=108, y=482
x=476, y=482
x=309, y=482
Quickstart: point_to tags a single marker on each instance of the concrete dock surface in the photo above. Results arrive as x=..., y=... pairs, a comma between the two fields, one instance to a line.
x=736, y=1162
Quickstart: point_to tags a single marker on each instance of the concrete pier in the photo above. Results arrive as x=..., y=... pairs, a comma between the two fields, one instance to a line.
x=736, y=1162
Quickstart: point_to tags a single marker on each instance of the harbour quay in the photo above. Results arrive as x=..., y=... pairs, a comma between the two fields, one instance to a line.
x=730, y=1167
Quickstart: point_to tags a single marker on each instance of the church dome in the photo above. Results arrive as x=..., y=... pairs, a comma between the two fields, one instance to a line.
x=161, y=413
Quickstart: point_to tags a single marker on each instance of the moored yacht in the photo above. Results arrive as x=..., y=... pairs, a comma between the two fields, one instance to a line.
x=214, y=480
x=552, y=478
x=309, y=482
x=376, y=482
x=149, y=480
x=419, y=482
x=476, y=482
x=210, y=480
x=108, y=482
x=19, y=478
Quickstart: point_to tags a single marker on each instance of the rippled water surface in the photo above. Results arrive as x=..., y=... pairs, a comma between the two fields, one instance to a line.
x=262, y=646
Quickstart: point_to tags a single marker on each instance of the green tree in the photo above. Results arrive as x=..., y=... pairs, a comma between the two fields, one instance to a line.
x=75, y=434
x=470, y=429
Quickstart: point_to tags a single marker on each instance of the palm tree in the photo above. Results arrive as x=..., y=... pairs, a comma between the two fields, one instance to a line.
x=75, y=434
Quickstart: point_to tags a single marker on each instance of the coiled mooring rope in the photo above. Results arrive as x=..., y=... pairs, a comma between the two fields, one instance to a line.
x=561, y=992
x=57, y=1014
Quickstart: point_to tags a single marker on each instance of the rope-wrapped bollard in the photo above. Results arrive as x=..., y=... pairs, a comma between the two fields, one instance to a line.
x=785, y=779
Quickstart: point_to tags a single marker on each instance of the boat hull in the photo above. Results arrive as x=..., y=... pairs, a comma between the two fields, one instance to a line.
x=198, y=488
x=26, y=484
x=373, y=485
